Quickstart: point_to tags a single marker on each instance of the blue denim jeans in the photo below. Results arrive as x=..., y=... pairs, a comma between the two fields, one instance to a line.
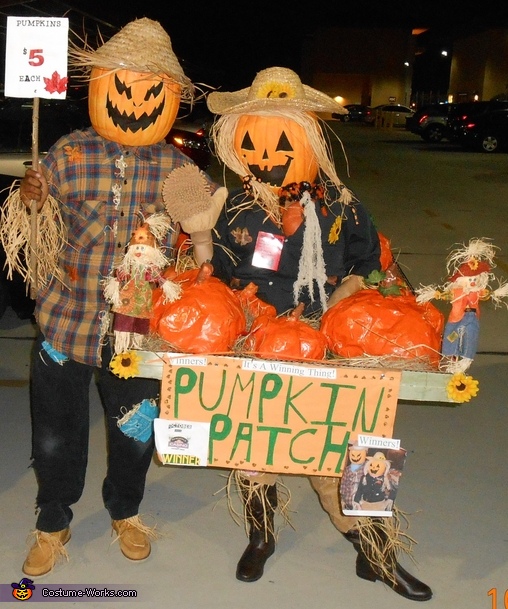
x=60, y=432
x=460, y=338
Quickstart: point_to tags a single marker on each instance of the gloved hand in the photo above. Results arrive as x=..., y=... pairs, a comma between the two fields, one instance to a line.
x=199, y=226
x=349, y=286
x=206, y=220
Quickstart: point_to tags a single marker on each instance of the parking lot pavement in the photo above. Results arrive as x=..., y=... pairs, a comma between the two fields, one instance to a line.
x=453, y=488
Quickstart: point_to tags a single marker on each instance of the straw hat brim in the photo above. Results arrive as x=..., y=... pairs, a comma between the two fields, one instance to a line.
x=237, y=102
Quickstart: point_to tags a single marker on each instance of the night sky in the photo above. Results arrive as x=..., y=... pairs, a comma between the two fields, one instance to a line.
x=224, y=43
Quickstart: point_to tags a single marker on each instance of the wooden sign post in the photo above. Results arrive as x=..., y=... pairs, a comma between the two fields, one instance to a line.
x=35, y=67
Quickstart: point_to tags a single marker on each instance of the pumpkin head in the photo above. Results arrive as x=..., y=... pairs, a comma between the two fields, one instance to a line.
x=377, y=465
x=357, y=454
x=275, y=150
x=132, y=108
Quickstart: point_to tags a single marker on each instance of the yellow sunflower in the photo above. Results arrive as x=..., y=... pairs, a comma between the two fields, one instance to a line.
x=461, y=388
x=125, y=365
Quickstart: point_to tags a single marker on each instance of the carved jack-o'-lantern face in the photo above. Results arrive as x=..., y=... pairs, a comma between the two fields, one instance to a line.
x=132, y=108
x=357, y=455
x=275, y=150
x=377, y=465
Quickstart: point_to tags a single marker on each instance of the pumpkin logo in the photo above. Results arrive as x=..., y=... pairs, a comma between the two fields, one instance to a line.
x=275, y=150
x=23, y=590
x=132, y=108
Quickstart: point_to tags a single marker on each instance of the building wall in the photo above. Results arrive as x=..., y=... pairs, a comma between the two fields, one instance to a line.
x=480, y=66
x=361, y=65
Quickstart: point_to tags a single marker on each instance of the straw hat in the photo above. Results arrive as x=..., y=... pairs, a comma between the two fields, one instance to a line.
x=471, y=269
x=141, y=46
x=143, y=236
x=273, y=89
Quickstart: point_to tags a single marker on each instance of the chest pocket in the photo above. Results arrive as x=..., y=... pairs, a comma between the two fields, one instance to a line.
x=86, y=222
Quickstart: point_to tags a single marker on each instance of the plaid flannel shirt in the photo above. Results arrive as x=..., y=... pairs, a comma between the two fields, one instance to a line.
x=105, y=190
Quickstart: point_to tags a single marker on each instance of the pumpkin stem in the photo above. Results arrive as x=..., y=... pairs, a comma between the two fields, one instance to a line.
x=296, y=313
x=205, y=272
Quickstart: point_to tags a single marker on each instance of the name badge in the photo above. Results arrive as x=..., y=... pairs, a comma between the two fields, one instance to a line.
x=268, y=251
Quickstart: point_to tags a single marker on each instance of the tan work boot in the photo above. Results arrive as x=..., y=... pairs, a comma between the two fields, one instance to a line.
x=134, y=537
x=46, y=551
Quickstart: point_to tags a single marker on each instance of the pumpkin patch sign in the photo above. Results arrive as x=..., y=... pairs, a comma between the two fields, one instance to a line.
x=269, y=415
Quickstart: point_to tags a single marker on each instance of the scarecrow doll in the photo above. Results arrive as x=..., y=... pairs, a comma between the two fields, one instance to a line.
x=130, y=288
x=352, y=475
x=470, y=275
x=294, y=230
x=374, y=488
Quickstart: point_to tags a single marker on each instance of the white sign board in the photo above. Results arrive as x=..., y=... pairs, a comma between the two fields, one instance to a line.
x=36, y=57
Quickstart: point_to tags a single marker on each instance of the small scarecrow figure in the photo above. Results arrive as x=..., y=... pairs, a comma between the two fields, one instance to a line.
x=373, y=491
x=129, y=290
x=353, y=472
x=470, y=272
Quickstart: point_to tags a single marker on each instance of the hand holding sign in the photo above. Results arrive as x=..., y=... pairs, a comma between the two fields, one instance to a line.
x=35, y=66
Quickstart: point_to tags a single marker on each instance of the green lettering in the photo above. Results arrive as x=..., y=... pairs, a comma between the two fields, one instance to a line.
x=330, y=447
x=331, y=406
x=201, y=391
x=182, y=387
x=238, y=382
x=361, y=408
x=293, y=440
x=266, y=393
x=289, y=402
x=244, y=433
x=220, y=428
x=272, y=439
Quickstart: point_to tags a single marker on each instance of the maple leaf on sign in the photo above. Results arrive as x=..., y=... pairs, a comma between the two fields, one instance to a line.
x=56, y=84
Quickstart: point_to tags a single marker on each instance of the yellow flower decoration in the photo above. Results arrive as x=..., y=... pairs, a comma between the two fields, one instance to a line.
x=461, y=388
x=277, y=90
x=125, y=365
x=73, y=153
x=333, y=235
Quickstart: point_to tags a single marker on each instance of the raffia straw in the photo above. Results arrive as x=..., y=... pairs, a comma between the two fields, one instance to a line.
x=15, y=236
x=241, y=488
x=383, y=539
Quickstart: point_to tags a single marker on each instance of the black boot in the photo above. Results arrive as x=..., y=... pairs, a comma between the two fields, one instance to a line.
x=393, y=575
x=261, y=533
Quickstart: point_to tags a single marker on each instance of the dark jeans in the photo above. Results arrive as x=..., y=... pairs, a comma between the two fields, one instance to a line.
x=60, y=431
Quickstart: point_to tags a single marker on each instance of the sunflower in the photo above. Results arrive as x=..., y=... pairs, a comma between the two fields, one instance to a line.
x=461, y=388
x=125, y=365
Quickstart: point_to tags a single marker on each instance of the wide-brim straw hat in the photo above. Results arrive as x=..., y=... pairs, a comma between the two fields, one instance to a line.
x=141, y=46
x=273, y=89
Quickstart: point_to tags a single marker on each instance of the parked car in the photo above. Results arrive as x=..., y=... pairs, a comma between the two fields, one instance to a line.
x=486, y=132
x=400, y=113
x=356, y=112
x=464, y=113
x=59, y=117
x=430, y=122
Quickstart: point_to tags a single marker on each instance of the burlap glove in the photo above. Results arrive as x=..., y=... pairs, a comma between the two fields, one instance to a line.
x=349, y=286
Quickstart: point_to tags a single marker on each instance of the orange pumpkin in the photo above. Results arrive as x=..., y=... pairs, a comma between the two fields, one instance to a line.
x=252, y=304
x=275, y=150
x=208, y=318
x=285, y=337
x=368, y=323
x=386, y=258
x=132, y=108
